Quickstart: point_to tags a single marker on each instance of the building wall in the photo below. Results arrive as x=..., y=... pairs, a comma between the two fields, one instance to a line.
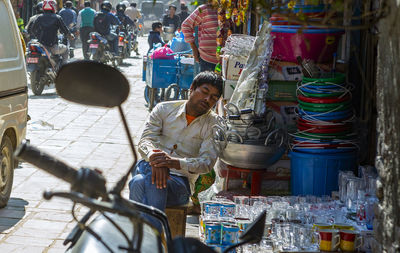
x=387, y=227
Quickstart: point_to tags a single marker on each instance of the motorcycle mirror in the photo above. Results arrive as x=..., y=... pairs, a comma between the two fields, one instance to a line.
x=253, y=233
x=92, y=83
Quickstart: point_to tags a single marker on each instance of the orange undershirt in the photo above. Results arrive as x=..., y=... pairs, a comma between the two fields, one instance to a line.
x=189, y=118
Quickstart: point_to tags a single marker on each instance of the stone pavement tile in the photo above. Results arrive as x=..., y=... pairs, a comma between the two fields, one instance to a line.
x=54, y=226
x=36, y=233
x=56, y=250
x=63, y=216
x=53, y=205
x=18, y=248
x=28, y=240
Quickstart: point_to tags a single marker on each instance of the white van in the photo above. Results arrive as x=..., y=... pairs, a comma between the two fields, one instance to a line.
x=13, y=97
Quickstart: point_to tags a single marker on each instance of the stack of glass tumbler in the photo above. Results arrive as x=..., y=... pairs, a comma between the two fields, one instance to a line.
x=295, y=223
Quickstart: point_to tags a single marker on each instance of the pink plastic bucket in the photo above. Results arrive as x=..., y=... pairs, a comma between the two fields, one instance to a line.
x=311, y=43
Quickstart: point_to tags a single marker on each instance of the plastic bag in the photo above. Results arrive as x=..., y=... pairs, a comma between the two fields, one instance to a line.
x=162, y=53
x=178, y=44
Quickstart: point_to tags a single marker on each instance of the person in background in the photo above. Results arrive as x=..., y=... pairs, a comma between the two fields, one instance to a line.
x=183, y=14
x=177, y=146
x=155, y=35
x=69, y=17
x=85, y=24
x=46, y=28
x=171, y=19
x=133, y=13
x=102, y=24
x=206, y=19
x=39, y=10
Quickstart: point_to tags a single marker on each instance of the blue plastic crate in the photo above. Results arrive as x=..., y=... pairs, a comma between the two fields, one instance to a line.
x=187, y=71
x=160, y=73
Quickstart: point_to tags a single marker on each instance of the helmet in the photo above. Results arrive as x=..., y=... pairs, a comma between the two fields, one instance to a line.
x=49, y=5
x=39, y=7
x=126, y=3
x=120, y=7
x=106, y=6
x=68, y=4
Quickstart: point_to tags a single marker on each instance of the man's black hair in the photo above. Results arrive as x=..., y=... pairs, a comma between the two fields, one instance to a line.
x=133, y=5
x=156, y=25
x=68, y=4
x=208, y=77
x=86, y=4
x=171, y=6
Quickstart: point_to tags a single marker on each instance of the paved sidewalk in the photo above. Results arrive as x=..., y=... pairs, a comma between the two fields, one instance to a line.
x=80, y=136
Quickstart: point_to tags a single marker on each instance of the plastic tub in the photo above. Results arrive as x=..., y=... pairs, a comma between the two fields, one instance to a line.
x=316, y=44
x=317, y=174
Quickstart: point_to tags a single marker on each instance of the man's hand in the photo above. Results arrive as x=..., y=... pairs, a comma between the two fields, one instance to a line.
x=159, y=176
x=160, y=163
x=162, y=159
x=195, y=50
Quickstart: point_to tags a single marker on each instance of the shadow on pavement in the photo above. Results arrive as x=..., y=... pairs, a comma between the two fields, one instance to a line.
x=44, y=96
x=125, y=64
x=12, y=213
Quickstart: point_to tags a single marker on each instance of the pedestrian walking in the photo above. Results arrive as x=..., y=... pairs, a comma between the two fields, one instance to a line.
x=85, y=24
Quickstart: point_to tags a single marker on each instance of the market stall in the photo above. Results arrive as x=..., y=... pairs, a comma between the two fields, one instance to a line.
x=288, y=102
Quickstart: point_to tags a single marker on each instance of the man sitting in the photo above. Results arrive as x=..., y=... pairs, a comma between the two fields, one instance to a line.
x=177, y=147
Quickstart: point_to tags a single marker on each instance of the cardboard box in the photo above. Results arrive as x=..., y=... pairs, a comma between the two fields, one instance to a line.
x=232, y=66
x=288, y=112
x=284, y=71
x=229, y=87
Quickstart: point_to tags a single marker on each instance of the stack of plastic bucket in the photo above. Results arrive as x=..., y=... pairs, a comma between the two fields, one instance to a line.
x=325, y=141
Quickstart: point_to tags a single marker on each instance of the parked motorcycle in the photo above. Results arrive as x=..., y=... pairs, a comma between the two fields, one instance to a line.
x=100, y=50
x=117, y=224
x=41, y=65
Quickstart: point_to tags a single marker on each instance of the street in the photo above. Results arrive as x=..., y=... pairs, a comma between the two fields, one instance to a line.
x=80, y=136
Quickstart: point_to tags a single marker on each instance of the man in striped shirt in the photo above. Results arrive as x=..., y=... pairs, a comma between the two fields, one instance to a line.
x=206, y=19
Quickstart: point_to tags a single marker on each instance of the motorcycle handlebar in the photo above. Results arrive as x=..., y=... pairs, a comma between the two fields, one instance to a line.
x=44, y=161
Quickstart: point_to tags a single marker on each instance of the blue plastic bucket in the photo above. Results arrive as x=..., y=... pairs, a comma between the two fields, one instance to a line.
x=317, y=174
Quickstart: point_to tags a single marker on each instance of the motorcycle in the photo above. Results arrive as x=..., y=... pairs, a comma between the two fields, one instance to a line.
x=117, y=224
x=100, y=49
x=123, y=47
x=41, y=65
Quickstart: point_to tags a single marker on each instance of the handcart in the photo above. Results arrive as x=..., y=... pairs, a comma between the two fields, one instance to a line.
x=184, y=78
x=160, y=73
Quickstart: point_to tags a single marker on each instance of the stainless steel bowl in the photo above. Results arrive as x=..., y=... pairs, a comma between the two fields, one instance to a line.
x=249, y=153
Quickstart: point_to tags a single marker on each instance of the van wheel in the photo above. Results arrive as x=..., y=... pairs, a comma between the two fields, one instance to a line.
x=37, y=85
x=6, y=170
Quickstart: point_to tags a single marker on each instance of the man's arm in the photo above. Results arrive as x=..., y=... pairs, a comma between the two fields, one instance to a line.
x=188, y=26
x=79, y=20
x=201, y=164
x=150, y=138
x=63, y=28
x=165, y=20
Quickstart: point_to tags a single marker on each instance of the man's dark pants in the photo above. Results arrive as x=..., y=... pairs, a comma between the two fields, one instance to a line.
x=84, y=33
x=206, y=66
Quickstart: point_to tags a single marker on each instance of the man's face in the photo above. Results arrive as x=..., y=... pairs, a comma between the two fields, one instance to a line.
x=203, y=98
x=172, y=11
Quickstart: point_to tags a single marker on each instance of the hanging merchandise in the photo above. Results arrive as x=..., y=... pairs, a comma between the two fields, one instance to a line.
x=230, y=13
x=247, y=93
